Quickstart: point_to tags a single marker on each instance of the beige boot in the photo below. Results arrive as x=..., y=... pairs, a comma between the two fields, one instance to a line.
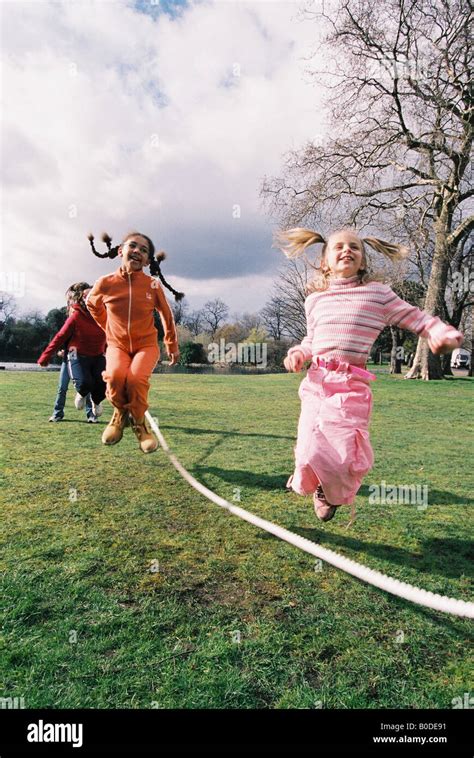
x=114, y=431
x=146, y=440
x=324, y=510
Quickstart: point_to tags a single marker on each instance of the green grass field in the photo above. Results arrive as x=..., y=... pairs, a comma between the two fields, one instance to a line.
x=124, y=588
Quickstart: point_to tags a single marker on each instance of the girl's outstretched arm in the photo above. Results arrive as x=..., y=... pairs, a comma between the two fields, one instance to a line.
x=59, y=339
x=442, y=338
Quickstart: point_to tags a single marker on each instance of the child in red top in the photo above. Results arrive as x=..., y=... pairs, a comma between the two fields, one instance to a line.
x=123, y=303
x=65, y=378
x=86, y=346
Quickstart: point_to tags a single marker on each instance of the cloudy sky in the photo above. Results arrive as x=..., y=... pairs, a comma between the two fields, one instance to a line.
x=158, y=116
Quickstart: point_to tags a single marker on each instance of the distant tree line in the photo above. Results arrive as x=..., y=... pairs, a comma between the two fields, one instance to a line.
x=23, y=337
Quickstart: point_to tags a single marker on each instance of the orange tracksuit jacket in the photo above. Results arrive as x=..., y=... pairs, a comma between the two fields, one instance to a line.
x=123, y=305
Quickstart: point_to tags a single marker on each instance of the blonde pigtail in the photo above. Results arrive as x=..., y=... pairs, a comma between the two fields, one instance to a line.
x=391, y=251
x=293, y=242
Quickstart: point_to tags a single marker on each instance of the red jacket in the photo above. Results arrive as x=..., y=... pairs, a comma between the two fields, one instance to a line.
x=123, y=305
x=79, y=331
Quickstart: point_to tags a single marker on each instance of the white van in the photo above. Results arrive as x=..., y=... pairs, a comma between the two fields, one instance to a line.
x=460, y=358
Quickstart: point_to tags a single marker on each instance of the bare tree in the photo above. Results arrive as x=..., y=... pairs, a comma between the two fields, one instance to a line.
x=8, y=306
x=249, y=321
x=273, y=316
x=469, y=326
x=402, y=129
x=458, y=295
x=461, y=282
x=180, y=309
x=194, y=322
x=214, y=314
x=291, y=291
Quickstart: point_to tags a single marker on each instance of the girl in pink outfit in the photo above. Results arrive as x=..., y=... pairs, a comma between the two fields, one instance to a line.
x=346, y=310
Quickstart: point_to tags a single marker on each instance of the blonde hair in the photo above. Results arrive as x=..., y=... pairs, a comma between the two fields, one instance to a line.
x=294, y=242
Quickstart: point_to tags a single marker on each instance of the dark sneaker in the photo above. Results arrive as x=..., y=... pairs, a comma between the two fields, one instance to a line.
x=92, y=420
x=56, y=418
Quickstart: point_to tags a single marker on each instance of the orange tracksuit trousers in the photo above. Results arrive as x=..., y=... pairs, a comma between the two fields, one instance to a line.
x=123, y=304
x=128, y=378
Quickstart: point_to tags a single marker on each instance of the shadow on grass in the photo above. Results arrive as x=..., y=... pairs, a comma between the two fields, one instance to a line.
x=435, y=497
x=453, y=623
x=445, y=557
x=247, y=478
x=222, y=436
x=441, y=557
x=238, y=477
x=232, y=433
x=74, y=421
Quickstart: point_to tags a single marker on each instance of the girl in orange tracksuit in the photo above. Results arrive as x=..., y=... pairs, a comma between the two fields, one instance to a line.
x=123, y=304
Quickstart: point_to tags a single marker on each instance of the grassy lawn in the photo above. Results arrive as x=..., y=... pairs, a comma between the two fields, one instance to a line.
x=123, y=587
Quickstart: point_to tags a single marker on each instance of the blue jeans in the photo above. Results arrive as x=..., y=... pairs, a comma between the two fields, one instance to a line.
x=86, y=374
x=63, y=385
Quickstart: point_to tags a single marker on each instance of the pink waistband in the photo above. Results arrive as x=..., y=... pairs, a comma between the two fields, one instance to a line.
x=334, y=365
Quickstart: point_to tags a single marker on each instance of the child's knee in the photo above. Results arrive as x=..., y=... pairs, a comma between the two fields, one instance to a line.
x=83, y=387
x=115, y=376
x=135, y=381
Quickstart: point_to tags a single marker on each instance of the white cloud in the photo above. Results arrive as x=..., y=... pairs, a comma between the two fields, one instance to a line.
x=118, y=120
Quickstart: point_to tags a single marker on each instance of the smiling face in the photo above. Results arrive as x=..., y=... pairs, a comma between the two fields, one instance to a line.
x=344, y=254
x=134, y=252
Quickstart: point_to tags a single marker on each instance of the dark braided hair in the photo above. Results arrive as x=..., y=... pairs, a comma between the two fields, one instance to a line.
x=155, y=270
x=112, y=252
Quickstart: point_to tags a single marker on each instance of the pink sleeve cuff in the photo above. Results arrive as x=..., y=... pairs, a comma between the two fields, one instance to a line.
x=437, y=329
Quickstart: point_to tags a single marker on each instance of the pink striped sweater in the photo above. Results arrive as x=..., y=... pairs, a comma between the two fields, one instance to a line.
x=344, y=321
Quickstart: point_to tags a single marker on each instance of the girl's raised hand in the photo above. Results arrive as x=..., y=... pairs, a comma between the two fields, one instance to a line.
x=294, y=361
x=445, y=340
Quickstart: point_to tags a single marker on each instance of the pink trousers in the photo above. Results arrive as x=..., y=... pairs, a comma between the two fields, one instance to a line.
x=333, y=445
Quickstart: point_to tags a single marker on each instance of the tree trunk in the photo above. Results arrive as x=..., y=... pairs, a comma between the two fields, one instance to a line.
x=446, y=364
x=395, y=355
x=426, y=365
x=472, y=344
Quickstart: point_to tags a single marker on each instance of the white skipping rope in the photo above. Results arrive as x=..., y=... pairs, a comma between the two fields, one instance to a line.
x=376, y=578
